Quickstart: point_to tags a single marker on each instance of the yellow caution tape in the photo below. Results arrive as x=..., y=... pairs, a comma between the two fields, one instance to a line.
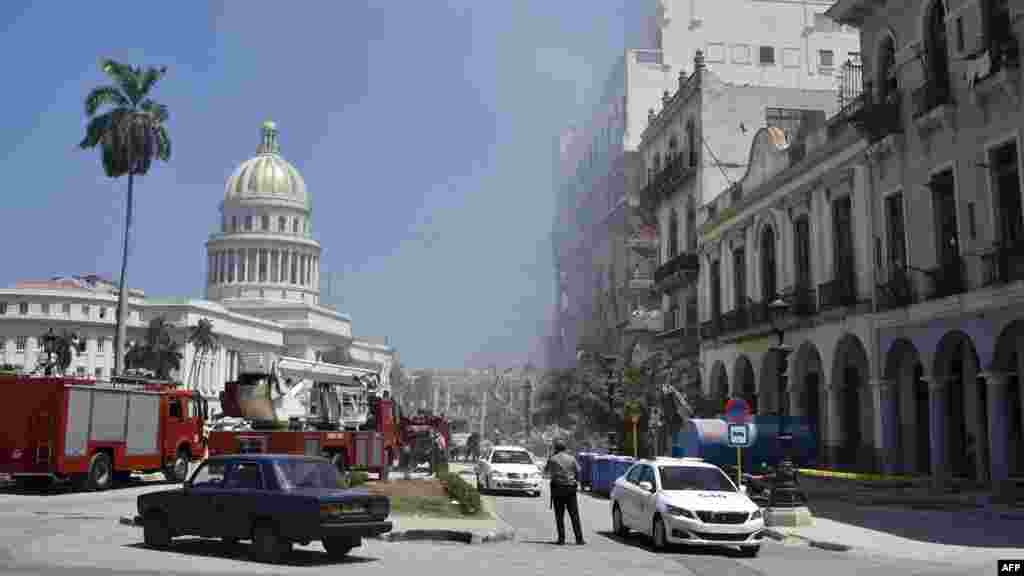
x=855, y=475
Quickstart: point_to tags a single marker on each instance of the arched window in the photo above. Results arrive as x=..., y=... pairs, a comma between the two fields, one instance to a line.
x=691, y=142
x=248, y=223
x=887, y=83
x=295, y=226
x=282, y=224
x=769, y=288
x=673, y=234
x=937, y=46
x=802, y=264
x=998, y=31
x=265, y=222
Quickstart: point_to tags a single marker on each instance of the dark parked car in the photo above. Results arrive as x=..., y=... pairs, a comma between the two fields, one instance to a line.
x=272, y=500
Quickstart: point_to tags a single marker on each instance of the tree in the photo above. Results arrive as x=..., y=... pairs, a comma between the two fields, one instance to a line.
x=130, y=134
x=203, y=341
x=63, y=347
x=159, y=354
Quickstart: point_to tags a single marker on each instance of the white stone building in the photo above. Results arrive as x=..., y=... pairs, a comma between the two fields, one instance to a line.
x=263, y=297
x=763, y=43
x=896, y=246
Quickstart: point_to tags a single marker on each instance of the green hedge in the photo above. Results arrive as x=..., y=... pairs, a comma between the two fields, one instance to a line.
x=463, y=492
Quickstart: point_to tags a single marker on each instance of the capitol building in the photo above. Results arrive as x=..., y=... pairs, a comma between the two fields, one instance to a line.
x=262, y=296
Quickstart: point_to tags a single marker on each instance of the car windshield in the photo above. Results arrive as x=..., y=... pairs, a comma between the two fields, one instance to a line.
x=309, y=474
x=695, y=478
x=511, y=457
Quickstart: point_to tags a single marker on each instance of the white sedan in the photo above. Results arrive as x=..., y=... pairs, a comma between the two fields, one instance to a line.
x=508, y=468
x=685, y=501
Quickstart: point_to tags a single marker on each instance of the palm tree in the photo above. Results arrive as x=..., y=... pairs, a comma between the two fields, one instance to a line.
x=131, y=134
x=159, y=353
x=59, y=350
x=203, y=341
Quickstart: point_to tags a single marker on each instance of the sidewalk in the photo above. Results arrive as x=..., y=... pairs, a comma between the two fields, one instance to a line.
x=908, y=520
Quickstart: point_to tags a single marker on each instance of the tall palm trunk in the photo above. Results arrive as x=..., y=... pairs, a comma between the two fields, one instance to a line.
x=122, y=298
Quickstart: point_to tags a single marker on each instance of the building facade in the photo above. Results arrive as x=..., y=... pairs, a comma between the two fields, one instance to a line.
x=597, y=275
x=263, y=297
x=892, y=234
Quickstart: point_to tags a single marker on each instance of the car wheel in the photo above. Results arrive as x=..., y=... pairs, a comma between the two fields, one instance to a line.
x=658, y=534
x=750, y=551
x=618, y=526
x=100, y=473
x=338, y=548
x=155, y=532
x=267, y=545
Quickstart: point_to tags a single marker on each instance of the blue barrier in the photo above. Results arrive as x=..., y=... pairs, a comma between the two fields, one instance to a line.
x=586, y=462
x=602, y=474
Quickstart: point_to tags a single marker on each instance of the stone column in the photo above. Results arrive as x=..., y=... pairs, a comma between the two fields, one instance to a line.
x=833, y=436
x=998, y=429
x=937, y=432
x=235, y=265
x=285, y=261
x=887, y=423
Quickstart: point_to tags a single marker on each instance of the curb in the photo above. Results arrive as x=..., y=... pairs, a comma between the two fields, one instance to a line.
x=821, y=544
x=461, y=536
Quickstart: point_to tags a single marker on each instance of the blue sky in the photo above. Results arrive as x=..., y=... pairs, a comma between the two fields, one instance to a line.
x=424, y=131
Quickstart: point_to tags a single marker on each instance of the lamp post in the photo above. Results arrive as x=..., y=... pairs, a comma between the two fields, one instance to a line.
x=785, y=492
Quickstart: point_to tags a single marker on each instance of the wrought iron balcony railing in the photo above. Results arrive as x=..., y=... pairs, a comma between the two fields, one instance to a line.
x=804, y=301
x=1005, y=264
x=930, y=96
x=682, y=262
x=711, y=329
x=947, y=279
x=878, y=117
x=837, y=293
x=896, y=292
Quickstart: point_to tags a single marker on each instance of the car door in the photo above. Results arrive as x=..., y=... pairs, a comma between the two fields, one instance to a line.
x=645, y=499
x=237, y=501
x=194, y=515
x=627, y=500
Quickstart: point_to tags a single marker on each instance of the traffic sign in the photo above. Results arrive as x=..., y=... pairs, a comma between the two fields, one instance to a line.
x=739, y=435
x=737, y=410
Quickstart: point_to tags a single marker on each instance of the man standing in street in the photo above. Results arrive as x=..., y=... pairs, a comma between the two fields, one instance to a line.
x=564, y=470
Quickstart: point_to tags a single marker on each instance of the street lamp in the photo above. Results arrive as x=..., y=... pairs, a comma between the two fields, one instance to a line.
x=607, y=363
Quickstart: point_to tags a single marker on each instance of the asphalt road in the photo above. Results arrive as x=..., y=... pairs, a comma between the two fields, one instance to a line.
x=534, y=523
x=79, y=534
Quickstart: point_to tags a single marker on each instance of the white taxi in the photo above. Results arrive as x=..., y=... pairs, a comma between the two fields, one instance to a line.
x=508, y=468
x=686, y=501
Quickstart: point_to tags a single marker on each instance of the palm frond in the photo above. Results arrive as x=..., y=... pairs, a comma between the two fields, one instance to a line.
x=97, y=127
x=125, y=76
x=104, y=96
x=159, y=111
x=150, y=77
x=163, y=144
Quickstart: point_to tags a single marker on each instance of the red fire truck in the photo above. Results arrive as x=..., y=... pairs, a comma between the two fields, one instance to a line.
x=372, y=444
x=91, y=433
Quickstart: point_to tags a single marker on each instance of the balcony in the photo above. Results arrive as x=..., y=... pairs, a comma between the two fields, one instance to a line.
x=931, y=96
x=804, y=302
x=837, y=293
x=711, y=329
x=1005, y=264
x=877, y=118
x=947, y=279
x=896, y=292
x=736, y=320
x=676, y=171
x=680, y=263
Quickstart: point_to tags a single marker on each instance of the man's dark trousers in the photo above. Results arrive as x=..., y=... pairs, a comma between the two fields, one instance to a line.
x=564, y=500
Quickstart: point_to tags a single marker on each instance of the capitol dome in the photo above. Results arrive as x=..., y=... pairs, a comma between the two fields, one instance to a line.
x=267, y=176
